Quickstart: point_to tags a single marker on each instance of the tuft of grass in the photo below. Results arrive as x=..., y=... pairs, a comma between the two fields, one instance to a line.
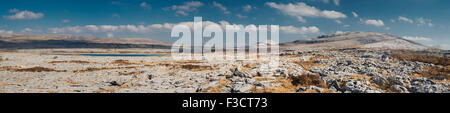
x=38, y=69
x=426, y=58
x=307, y=80
x=122, y=62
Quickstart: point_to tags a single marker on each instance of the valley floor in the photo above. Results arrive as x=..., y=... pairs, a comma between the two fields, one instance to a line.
x=322, y=71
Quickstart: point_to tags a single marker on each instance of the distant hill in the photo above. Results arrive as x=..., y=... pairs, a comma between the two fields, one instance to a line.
x=19, y=41
x=354, y=40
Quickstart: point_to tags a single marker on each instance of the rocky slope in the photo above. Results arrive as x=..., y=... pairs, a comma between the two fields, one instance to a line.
x=355, y=40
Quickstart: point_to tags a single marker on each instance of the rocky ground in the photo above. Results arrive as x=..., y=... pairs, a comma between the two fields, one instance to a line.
x=320, y=71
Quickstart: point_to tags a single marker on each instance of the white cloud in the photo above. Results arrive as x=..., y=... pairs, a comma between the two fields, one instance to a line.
x=422, y=22
x=159, y=28
x=144, y=5
x=23, y=15
x=247, y=8
x=241, y=16
x=29, y=30
x=299, y=30
x=355, y=14
x=401, y=18
x=336, y=2
x=6, y=32
x=339, y=32
x=300, y=10
x=338, y=22
x=186, y=7
x=417, y=38
x=377, y=23
x=221, y=7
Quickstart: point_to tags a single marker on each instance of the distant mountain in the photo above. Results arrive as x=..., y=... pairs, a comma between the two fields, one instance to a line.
x=354, y=40
x=19, y=41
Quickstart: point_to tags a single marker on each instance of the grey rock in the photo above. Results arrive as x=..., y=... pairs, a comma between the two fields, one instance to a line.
x=429, y=89
x=400, y=89
x=379, y=80
x=241, y=88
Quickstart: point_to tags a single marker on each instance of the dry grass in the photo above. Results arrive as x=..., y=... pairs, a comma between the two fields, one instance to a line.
x=438, y=60
x=307, y=80
x=291, y=56
x=310, y=63
x=72, y=61
x=100, y=69
x=108, y=90
x=217, y=89
x=190, y=67
x=286, y=87
x=38, y=69
x=9, y=68
x=436, y=72
x=122, y=62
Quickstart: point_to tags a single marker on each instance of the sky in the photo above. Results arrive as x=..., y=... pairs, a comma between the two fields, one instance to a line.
x=423, y=21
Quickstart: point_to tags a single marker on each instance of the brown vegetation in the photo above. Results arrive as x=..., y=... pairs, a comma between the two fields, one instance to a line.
x=426, y=58
x=307, y=80
x=122, y=62
x=217, y=89
x=99, y=69
x=436, y=72
x=38, y=69
x=72, y=61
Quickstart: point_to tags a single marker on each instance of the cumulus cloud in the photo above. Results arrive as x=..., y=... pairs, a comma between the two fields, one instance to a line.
x=29, y=30
x=159, y=28
x=23, y=15
x=6, y=32
x=247, y=8
x=355, y=14
x=221, y=7
x=301, y=10
x=299, y=30
x=185, y=8
x=424, y=22
x=401, y=18
x=377, y=23
x=416, y=38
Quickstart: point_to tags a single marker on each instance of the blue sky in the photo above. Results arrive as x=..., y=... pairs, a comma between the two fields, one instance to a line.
x=425, y=21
